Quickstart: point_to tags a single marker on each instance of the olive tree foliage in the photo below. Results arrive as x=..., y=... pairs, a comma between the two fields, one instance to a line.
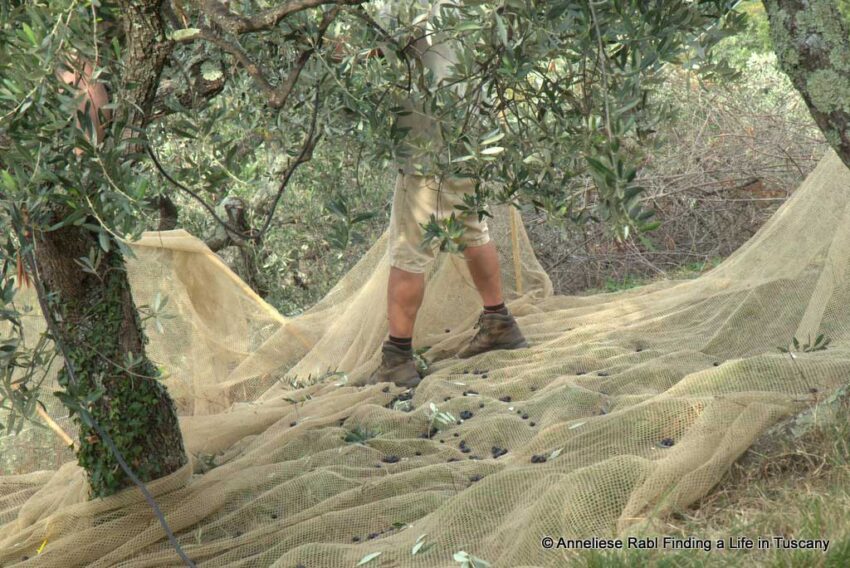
x=69, y=199
x=556, y=103
x=555, y=108
x=40, y=171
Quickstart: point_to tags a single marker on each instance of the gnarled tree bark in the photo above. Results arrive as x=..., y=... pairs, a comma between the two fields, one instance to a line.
x=98, y=324
x=812, y=43
x=104, y=348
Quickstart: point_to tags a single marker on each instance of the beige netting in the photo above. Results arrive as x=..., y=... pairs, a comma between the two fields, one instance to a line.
x=640, y=400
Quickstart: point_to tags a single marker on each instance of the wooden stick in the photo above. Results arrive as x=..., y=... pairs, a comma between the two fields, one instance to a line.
x=55, y=427
x=52, y=423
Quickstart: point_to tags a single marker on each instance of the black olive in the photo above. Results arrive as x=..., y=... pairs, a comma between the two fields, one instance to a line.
x=497, y=452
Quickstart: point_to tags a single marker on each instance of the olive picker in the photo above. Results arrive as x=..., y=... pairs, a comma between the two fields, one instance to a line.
x=421, y=192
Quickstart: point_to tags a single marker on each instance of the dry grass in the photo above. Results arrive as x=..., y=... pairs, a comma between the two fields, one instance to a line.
x=735, y=153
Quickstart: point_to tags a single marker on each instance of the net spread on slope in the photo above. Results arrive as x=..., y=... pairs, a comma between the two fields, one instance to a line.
x=639, y=400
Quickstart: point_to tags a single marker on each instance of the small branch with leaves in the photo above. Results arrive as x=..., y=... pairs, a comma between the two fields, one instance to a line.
x=264, y=20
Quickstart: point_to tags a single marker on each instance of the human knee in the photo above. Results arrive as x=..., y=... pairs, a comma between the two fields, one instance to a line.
x=405, y=285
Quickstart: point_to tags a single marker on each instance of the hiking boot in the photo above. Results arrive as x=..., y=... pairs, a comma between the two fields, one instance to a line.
x=397, y=366
x=495, y=331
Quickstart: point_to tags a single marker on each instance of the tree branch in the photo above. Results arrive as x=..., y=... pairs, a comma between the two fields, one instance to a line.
x=222, y=238
x=145, y=55
x=277, y=96
x=235, y=232
x=264, y=20
x=192, y=94
x=168, y=213
x=304, y=156
x=194, y=195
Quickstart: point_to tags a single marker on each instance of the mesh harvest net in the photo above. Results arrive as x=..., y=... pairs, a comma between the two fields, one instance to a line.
x=638, y=400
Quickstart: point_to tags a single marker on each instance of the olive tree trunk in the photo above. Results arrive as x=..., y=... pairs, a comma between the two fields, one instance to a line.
x=106, y=367
x=812, y=43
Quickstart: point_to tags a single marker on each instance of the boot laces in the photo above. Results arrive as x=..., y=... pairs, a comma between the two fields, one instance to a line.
x=478, y=323
x=478, y=333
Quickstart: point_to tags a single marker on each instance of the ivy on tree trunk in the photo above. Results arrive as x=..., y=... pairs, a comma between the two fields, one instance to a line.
x=99, y=327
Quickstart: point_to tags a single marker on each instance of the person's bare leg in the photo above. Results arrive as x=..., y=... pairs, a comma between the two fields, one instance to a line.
x=483, y=263
x=405, y=291
x=404, y=297
x=497, y=328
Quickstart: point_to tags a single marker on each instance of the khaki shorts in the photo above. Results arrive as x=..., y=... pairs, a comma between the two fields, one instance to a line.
x=416, y=198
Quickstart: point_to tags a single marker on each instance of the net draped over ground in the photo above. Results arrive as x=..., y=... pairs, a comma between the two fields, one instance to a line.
x=640, y=400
